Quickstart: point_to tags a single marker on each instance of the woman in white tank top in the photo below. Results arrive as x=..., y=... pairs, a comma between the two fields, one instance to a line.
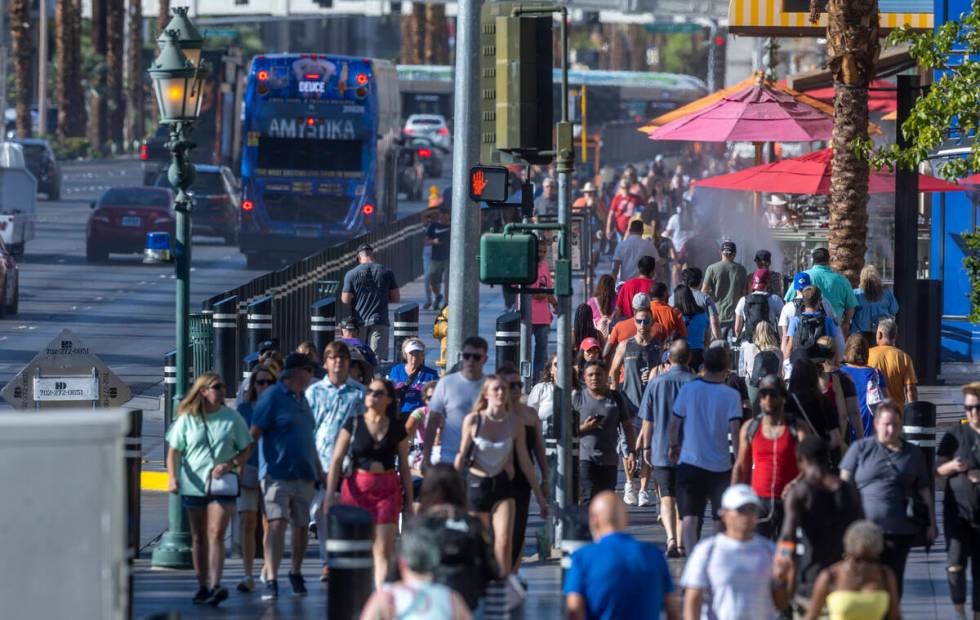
x=415, y=596
x=491, y=440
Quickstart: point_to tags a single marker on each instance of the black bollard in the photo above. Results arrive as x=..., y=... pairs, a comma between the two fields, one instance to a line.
x=919, y=428
x=508, y=339
x=133, y=455
x=350, y=537
x=226, y=342
x=258, y=322
x=323, y=323
x=405, y=325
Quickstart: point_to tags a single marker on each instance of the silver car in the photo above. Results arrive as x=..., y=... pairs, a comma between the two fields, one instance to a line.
x=430, y=126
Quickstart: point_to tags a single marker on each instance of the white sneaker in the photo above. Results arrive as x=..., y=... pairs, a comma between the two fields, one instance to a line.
x=516, y=594
x=643, y=499
x=629, y=494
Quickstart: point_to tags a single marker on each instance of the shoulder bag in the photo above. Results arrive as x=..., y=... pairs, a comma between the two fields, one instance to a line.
x=227, y=485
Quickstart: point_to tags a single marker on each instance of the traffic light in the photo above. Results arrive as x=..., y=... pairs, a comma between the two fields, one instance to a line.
x=516, y=98
x=488, y=184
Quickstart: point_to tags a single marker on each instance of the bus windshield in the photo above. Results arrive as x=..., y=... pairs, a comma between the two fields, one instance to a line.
x=279, y=156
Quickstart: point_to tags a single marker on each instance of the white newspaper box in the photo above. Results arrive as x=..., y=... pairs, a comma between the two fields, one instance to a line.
x=62, y=518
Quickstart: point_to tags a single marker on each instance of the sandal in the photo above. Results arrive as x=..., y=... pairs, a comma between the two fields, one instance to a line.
x=672, y=550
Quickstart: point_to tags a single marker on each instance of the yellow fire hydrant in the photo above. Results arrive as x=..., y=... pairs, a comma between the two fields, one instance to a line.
x=440, y=331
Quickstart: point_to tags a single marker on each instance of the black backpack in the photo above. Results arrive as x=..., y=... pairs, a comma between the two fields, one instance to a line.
x=765, y=363
x=811, y=328
x=756, y=310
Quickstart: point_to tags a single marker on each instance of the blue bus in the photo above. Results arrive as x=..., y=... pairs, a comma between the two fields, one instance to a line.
x=319, y=155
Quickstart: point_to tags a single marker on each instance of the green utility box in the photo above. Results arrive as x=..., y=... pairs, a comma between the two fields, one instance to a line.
x=508, y=258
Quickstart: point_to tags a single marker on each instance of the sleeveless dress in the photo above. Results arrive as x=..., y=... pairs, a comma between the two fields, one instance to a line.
x=849, y=605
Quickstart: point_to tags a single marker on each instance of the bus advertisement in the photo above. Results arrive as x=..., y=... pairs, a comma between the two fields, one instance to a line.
x=318, y=160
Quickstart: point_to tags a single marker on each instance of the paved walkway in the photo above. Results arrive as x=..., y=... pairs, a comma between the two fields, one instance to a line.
x=157, y=591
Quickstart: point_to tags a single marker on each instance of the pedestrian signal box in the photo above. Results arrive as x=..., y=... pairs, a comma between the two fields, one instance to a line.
x=488, y=184
x=508, y=258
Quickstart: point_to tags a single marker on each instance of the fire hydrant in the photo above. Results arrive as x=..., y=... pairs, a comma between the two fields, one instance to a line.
x=440, y=331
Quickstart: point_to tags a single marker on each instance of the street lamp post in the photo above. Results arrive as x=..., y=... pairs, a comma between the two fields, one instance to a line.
x=177, y=76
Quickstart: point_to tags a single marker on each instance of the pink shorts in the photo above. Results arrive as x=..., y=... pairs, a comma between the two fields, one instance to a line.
x=379, y=494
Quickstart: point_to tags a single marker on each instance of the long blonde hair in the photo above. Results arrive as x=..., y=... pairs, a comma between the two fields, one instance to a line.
x=194, y=402
x=870, y=283
x=765, y=336
x=482, y=402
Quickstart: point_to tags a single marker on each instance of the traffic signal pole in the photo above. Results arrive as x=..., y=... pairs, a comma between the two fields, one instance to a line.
x=464, y=282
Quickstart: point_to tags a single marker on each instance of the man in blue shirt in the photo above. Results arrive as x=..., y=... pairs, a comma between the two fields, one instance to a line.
x=288, y=467
x=656, y=410
x=804, y=330
x=617, y=577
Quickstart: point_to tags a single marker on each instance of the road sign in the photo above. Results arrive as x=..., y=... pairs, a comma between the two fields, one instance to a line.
x=791, y=18
x=65, y=374
x=488, y=184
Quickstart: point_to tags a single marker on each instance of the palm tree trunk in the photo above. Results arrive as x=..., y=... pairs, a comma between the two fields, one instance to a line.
x=436, y=35
x=68, y=89
x=115, y=100
x=413, y=35
x=23, y=52
x=136, y=126
x=852, y=49
x=163, y=16
x=98, y=111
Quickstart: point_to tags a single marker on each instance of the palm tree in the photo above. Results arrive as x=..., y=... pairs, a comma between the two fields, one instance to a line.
x=115, y=102
x=23, y=49
x=436, y=35
x=68, y=85
x=852, y=51
x=413, y=27
x=98, y=112
x=136, y=122
x=163, y=14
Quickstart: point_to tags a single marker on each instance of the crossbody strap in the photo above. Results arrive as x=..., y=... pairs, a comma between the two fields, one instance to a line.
x=806, y=418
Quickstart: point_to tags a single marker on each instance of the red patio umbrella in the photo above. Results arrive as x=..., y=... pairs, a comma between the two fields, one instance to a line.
x=878, y=100
x=972, y=180
x=810, y=174
x=758, y=113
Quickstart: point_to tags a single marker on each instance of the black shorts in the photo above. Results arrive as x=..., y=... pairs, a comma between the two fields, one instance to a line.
x=483, y=493
x=594, y=479
x=695, y=486
x=666, y=480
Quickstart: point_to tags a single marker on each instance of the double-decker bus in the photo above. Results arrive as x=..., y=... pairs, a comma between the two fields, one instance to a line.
x=319, y=153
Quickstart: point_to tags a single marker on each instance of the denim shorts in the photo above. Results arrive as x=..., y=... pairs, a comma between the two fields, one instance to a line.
x=202, y=501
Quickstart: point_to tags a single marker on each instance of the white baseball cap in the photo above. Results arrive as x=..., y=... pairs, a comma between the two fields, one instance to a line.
x=414, y=345
x=739, y=495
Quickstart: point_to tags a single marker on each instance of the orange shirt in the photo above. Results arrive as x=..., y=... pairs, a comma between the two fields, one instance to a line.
x=626, y=329
x=897, y=368
x=669, y=317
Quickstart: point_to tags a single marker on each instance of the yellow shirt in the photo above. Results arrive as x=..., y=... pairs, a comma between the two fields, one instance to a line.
x=897, y=368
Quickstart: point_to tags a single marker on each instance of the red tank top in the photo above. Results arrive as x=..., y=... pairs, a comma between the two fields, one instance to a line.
x=773, y=461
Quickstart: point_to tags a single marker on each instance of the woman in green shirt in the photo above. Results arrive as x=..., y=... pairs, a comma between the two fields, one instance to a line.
x=206, y=439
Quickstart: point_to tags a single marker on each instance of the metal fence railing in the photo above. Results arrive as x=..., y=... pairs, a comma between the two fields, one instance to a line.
x=294, y=289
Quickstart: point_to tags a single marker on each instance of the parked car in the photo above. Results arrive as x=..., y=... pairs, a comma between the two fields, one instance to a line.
x=154, y=155
x=18, y=198
x=215, y=194
x=123, y=216
x=42, y=163
x=9, y=282
x=431, y=126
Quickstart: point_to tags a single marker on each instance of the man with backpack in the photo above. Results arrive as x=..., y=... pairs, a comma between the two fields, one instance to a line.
x=767, y=454
x=758, y=306
x=794, y=306
x=810, y=325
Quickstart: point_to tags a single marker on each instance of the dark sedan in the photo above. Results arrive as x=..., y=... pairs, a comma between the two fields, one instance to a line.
x=215, y=196
x=42, y=163
x=122, y=217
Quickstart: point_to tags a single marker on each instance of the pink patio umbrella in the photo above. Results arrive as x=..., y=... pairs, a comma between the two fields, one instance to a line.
x=810, y=174
x=759, y=113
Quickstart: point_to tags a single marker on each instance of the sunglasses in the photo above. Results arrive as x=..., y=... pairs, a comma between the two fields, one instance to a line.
x=971, y=407
x=643, y=321
x=216, y=386
x=377, y=393
x=472, y=356
x=769, y=394
x=338, y=357
x=262, y=382
x=516, y=384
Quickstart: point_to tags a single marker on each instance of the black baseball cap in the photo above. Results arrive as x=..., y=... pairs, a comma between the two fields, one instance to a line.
x=348, y=323
x=763, y=256
x=365, y=247
x=267, y=345
x=297, y=360
x=728, y=247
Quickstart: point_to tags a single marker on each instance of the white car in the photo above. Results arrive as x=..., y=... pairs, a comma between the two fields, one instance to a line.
x=431, y=126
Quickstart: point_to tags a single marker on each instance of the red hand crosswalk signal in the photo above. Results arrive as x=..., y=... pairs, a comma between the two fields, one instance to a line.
x=488, y=184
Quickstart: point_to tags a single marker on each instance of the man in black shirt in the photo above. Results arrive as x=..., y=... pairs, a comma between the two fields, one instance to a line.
x=368, y=288
x=437, y=236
